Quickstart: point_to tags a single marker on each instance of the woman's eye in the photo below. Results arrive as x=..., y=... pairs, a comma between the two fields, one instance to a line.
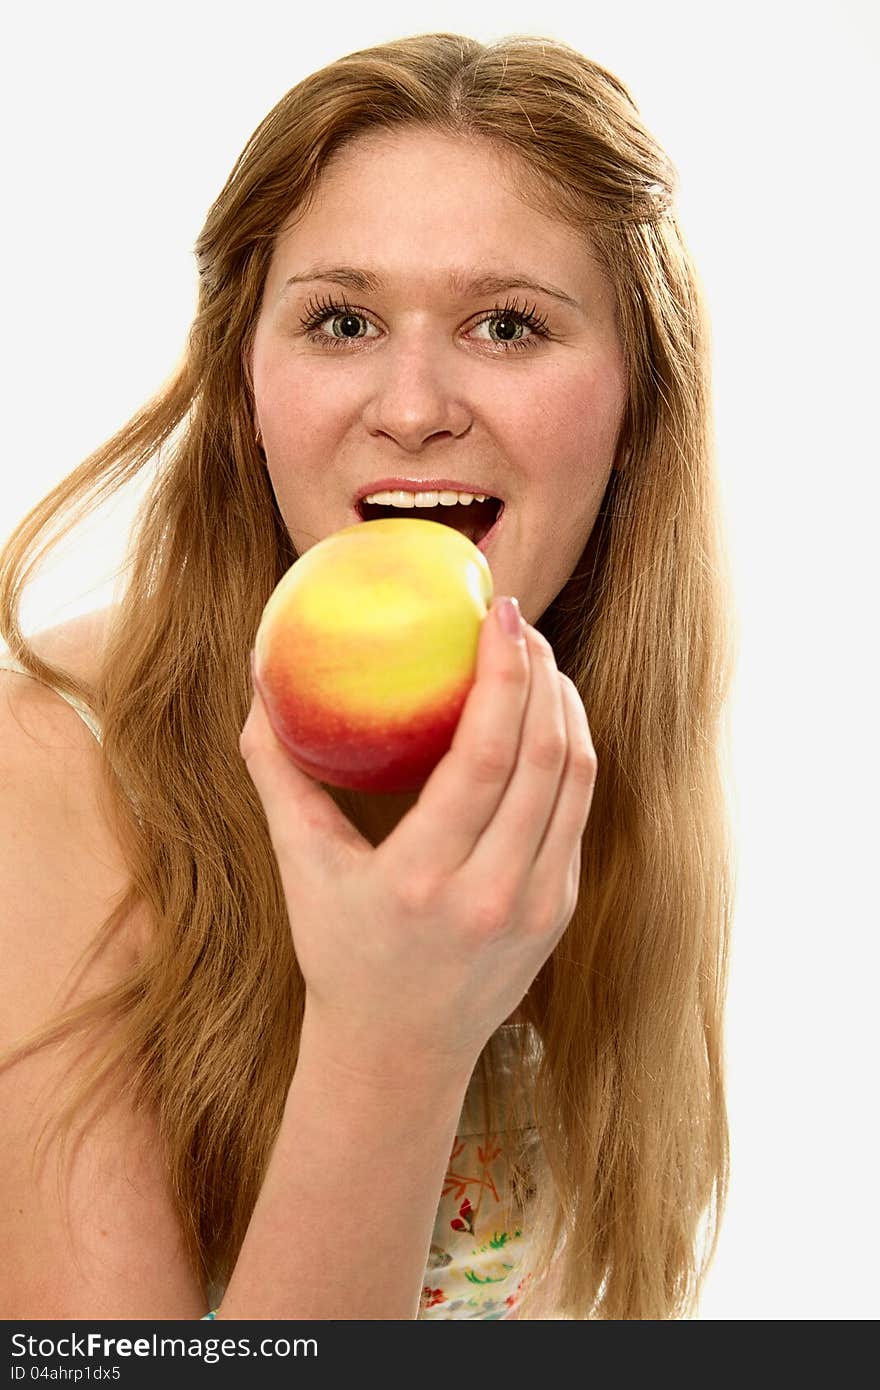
x=333, y=325
x=509, y=328
x=345, y=325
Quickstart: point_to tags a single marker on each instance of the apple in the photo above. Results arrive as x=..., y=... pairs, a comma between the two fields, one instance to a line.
x=366, y=651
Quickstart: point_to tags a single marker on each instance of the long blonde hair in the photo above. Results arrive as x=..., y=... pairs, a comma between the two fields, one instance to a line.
x=630, y=1181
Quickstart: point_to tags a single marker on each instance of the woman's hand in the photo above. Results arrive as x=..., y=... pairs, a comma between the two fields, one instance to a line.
x=420, y=947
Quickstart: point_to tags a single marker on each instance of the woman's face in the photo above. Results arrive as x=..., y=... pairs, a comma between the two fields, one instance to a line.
x=378, y=358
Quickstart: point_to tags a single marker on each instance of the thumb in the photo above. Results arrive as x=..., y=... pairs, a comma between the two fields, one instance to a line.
x=303, y=818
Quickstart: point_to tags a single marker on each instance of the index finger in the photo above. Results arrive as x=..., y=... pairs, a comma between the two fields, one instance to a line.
x=463, y=792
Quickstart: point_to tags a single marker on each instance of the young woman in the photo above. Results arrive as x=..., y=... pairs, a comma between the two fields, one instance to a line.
x=331, y=1055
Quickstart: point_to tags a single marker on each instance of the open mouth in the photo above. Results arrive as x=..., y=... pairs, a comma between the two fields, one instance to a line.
x=474, y=519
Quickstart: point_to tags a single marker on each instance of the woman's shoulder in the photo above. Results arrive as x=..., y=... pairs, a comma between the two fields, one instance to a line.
x=63, y=873
x=77, y=645
x=53, y=806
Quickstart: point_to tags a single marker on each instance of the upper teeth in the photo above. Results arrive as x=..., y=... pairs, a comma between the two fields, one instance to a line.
x=424, y=499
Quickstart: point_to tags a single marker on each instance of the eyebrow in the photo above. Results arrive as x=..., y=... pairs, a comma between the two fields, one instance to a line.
x=492, y=282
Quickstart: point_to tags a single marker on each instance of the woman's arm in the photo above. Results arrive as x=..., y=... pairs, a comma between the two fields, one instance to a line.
x=342, y=1227
x=439, y=932
x=108, y=1243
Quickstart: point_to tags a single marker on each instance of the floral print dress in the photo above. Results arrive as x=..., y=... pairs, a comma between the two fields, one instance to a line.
x=478, y=1263
x=477, y=1266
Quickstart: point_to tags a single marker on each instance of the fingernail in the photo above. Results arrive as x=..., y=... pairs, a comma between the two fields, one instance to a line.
x=510, y=618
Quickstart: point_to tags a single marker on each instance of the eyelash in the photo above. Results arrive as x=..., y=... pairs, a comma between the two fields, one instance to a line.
x=318, y=311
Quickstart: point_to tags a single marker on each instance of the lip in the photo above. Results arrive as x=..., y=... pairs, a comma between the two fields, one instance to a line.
x=431, y=485
x=422, y=485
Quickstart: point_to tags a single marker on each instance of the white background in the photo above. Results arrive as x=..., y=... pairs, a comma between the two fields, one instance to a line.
x=120, y=126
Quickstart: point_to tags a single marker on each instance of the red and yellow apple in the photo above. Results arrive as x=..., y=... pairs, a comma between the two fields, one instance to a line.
x=367, y=648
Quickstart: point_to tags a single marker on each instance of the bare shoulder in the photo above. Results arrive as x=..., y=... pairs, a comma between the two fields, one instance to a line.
x=76, y=644
x=62, y=872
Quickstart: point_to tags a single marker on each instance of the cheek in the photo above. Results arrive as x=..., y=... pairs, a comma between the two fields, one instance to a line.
x=572, y=425
x=283, y=397
x=291, y=396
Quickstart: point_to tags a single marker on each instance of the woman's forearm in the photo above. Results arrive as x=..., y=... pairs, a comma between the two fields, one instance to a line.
x=342, y=1226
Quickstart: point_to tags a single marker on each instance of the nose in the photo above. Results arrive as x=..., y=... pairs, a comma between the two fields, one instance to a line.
x=416, y=396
